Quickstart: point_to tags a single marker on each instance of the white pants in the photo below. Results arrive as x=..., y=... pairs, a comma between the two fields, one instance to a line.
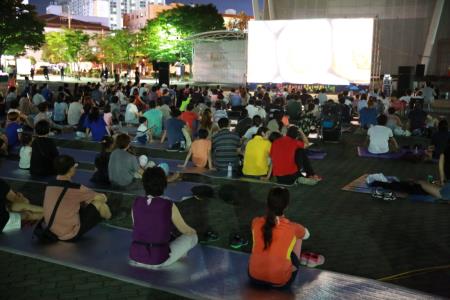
x=178, y=248
x=14, y=222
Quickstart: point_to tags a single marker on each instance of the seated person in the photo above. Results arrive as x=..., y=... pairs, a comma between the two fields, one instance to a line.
x=275, y=259
x=244, y=123
x=440, y=189
x=257, y=155
x=289, y=158
x=257, y=121
x=43, y=151
x=123, y=167
x=200, y=151
x=45, y=115
x=173, y=130
x=394, y=123
x=80, y=130
x=95, y=125
x=132, y=113
x=13, y=131
x=225, y=147
x=154, y=118
x=100, y=175
x=153, y=219
x=368, y=115
x=144, y=133
x=308, y=121
x=417, y=119
x=439, y=140
x=276, y=124
x=189, y=117
x=25, y=151
x=14, y=208
x=379, y=137
x=80, y=208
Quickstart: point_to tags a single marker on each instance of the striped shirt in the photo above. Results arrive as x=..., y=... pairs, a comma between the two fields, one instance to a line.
x=225, y=145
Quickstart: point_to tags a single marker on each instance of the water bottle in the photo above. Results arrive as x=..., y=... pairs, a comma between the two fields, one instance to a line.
x=230, y=171
x=183, y=145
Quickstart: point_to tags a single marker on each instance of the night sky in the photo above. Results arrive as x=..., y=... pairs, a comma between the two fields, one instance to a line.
x=238, y=5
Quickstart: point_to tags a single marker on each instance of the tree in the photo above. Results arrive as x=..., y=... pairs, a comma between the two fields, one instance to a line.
x=164, y=37
x=20, y=27
x=54, y=49
x=240, y=22
x=121, y=46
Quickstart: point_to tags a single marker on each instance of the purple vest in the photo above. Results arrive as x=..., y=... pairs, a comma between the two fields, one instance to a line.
x=152, y=225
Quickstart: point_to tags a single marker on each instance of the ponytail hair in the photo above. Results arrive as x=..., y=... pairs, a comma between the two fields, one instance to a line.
x=277, y=201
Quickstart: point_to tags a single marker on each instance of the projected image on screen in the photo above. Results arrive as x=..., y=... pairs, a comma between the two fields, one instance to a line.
x=327, y=51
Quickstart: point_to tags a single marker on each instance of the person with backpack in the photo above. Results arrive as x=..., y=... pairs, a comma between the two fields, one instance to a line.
x=79, y=210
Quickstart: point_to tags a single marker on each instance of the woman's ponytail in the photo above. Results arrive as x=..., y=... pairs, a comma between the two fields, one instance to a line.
x=277, y=201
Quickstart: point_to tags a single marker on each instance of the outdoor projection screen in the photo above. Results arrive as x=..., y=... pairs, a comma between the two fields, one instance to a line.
x=308, y=51
x=220, y=61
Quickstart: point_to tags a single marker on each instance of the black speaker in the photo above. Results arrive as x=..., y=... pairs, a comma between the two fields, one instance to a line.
x=163, y=74
x=155, y=65
x=420, y=71
x=405, y=78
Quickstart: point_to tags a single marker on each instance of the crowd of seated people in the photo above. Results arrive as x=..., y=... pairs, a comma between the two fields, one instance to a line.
x=270, y=139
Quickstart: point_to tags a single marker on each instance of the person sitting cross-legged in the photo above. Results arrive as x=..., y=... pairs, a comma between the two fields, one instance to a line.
x=14, y=208
x=80, y=208
x=277, y=243
x=379, y=137
x=257, y=155
x=153, y=219
x=289, y=158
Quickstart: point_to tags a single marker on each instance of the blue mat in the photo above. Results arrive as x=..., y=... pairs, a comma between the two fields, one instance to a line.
x=70, y=136
x=363, y=152
x=316, y=154
x=88, y=157
x=177, y=191
x=206, y=273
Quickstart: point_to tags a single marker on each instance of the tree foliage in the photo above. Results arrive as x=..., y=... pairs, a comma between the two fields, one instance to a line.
x=66, y=46
x=164, y=37
x=20, y=27
x=120, y=46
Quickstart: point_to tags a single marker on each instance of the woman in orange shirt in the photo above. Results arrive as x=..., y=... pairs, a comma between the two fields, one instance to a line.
x=277, y=243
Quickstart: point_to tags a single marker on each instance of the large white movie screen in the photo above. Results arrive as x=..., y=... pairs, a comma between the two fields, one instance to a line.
x=326, y=51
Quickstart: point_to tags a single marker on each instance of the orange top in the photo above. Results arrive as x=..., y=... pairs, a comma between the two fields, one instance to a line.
x=200, y=149
x=274, y=264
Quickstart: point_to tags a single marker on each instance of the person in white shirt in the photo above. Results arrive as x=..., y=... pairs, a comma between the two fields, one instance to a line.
x=260, y=110
x=74, y=113
x=362, y=102
x=379, y=137
x=251, y=108
x=132, y=113
x=25, y=151
x=322, y=97
x=428, y=94
x=254, y=129
x=407, y=97
x=38, y=99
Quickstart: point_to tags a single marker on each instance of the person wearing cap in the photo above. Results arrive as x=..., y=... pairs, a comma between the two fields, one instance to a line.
x=80, y=208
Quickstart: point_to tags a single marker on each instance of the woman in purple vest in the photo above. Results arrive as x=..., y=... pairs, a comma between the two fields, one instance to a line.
x=153, y=216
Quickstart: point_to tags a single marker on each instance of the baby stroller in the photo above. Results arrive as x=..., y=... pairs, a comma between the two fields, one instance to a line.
x=331, y=122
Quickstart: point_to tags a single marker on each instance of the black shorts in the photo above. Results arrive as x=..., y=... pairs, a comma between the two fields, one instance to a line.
x=295, y=262
x=89, y=217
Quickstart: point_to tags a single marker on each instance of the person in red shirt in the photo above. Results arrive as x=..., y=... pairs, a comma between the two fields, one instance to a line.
x=189, y=117
x=289, y=157
x=277, y=242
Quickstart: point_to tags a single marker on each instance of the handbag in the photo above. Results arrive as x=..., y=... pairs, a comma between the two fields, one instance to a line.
x=43, y=233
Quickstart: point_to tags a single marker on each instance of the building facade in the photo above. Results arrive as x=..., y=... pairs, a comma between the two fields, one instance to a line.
x=136, y=20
